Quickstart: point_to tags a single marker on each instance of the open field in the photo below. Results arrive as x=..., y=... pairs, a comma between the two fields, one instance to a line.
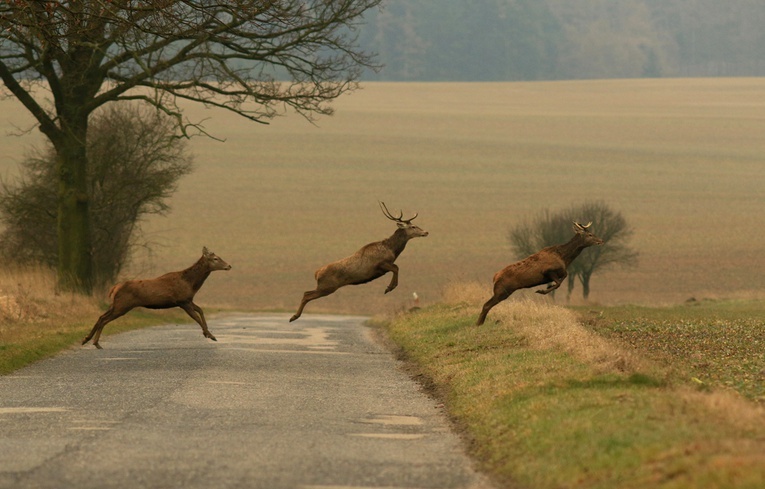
x=717, y=344
x=548, y=402
x=683, y=160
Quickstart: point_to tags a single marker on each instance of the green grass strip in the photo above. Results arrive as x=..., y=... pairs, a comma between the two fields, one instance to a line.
x=539, y=417
x=43, y=340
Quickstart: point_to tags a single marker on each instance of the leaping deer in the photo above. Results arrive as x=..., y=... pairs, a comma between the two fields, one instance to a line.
x=547, y=266
x=370, y=262
x=174, y=289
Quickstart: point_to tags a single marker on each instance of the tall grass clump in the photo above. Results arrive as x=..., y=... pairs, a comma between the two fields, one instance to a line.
x=35, y=320
x=546, y=403
x=28, y=296
x=547, y=326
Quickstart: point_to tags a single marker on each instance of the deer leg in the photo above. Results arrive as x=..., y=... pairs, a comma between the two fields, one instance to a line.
x=557, y=280
x=309, y=296
x=107, y=317
x=195, y=312
x=391, y=267
x=204, y=322
x=202, y=315
x=500, y=294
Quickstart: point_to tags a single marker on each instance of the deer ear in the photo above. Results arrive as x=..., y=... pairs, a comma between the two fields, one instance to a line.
x=205, y=251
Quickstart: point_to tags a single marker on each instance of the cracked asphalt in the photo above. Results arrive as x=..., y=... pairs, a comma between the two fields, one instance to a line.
x=314, y=404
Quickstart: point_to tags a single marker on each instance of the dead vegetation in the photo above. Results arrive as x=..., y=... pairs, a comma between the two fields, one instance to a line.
x=547, y=326
x=29, y=296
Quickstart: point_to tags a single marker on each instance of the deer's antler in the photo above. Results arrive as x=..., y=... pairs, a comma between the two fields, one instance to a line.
x=400, y=217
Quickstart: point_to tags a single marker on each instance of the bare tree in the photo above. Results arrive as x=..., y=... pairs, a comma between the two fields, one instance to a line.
x=549, y=228
x=63, y=59
x=134, y=163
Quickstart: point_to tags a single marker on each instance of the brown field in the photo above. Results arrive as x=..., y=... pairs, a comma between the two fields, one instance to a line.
x=683, y=160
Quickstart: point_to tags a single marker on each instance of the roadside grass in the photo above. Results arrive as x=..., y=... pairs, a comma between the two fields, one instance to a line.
x=546, y=402
x=36, y=322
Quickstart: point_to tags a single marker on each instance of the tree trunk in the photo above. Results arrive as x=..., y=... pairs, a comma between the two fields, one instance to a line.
x=586, y=285
x=74, y=243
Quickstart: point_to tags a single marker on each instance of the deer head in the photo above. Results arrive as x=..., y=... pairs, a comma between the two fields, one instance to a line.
x=214, y=262
x=584, y=233
x=412, y=230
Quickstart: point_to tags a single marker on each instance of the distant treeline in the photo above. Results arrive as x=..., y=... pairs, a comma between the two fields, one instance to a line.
x=493, y=40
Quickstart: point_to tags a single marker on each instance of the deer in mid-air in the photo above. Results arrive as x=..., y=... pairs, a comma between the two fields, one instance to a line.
x=370, y=262
x=174, y=289
x=547, y=266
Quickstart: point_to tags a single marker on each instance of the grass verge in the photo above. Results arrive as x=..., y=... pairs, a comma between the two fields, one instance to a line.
x=36, y=322
x=546, y=402
x=40, y=340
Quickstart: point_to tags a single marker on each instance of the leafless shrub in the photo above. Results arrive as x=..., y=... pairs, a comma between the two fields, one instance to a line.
x=134, y=166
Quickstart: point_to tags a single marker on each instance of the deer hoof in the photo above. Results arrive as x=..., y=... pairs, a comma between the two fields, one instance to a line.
x=98, y=346
x=294, y=317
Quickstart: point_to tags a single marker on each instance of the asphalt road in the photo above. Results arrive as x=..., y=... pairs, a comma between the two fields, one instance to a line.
x=314, y=404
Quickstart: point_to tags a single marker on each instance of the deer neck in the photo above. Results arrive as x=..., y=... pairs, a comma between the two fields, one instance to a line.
x=196, y=274
x=397, y=242
x=569, y=251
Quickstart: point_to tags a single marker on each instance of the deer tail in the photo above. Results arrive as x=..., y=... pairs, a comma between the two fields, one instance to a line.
x=114, y=290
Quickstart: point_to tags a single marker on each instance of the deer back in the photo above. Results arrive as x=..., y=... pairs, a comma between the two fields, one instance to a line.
x=358, y=268
x=530, y=271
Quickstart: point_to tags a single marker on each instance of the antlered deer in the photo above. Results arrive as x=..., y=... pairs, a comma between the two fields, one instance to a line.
x=370, y=262
x=174, y=289
x=547, y=266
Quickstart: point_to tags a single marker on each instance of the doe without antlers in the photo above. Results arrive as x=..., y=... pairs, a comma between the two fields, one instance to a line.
x=547, y=266
x=370, y=262
x=174, y=289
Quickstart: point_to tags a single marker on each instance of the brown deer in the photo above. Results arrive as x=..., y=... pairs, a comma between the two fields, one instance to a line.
x=370, y=262
x=174, y=289
x=547, y=266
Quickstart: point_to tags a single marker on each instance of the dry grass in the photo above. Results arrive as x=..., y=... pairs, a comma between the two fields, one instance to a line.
x=35, y=320
x=29, y=296
x=547, y=326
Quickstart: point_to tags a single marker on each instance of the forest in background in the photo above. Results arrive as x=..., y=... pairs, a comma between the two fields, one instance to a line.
x=509, y=40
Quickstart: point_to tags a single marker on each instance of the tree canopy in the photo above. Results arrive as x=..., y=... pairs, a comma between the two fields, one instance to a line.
x=504, y=40
x=63, y=59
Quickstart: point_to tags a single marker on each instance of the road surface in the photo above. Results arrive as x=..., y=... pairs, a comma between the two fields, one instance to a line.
x=314, y=404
